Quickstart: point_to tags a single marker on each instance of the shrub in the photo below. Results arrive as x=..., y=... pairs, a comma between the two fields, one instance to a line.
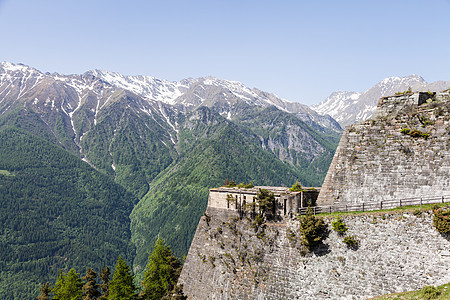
x=313, y=229
x=339, y=226
x=261, y=235
x=408, y=91
x=435, y=207
x=430, y=292
x=351, y=241
x=441, y=220
x=417, y=212
x=245, y=186
x=405, y=130
x=415, y=133
x=249, y=207
x=229, y=183
x=231, y=200
x=291, y=236
x=296, y=187
x=259, y=220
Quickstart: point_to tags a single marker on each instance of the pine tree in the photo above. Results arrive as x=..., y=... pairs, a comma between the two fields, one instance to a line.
x=161, y=273
x=104, y=276
x=122, y=286
x=59, y=285
x=68, y=286
x=44, y=291
x=90, y=288
x=313, y=229
x=265, y=200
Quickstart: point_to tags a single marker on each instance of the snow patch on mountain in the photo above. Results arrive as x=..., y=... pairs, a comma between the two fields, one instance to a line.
x=96, y=89
x=336, y=104
x=146, y=86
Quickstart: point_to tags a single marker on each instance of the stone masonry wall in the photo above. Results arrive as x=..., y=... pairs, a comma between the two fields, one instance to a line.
x=231, y=259
x=376, y=161
x=286, y=201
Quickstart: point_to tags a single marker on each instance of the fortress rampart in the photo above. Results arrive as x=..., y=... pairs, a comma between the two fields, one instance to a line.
x=398, y=251
x=403, y=152
x=286, y=202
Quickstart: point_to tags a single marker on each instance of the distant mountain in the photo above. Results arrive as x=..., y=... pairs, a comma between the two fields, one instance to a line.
x=224, y=96
x=98, y=115
x=166, y=142
x=352, y=107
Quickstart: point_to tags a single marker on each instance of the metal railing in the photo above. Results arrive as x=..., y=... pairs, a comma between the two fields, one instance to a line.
x=379, y=205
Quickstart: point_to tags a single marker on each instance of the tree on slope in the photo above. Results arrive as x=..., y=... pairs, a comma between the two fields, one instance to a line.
x=45, y=291
x=68, y=286
x=104, y=276
x=161, y=273
x=122, y=286
x=90, y=288
x=266, y=201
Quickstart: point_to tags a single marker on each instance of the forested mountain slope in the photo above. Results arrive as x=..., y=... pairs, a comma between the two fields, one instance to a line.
x=167, y=143
x=56, y=212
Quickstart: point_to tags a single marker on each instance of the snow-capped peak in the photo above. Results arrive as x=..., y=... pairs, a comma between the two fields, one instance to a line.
x=148, y=87
x=413, y=79
x=12, y=68
x=351, y=107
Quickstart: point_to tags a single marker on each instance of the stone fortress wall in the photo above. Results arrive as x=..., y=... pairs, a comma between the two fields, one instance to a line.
x=378, y=160
x=397, y=252
x=286, y=202
x=232, y=257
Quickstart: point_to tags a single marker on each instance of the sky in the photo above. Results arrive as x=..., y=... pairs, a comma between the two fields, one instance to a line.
x=299, y=50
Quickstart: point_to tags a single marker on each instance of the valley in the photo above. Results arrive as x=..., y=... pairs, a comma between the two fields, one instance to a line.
x=130, y=159
x=162, y=144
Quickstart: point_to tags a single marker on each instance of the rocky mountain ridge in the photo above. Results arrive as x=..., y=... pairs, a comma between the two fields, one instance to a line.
x=97, y=89
x=70, y=106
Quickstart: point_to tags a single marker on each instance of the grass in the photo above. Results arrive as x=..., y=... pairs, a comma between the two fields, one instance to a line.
x=428, y=292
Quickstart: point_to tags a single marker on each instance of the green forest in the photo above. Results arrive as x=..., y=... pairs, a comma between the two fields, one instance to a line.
x=159, y=281
x=57, y=212
x=143, y=181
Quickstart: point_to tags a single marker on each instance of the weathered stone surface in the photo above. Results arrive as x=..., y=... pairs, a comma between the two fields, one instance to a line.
x=229, y=259
x=376, y=161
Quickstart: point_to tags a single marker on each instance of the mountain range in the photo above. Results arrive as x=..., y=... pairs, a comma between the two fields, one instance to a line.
x=157, y=145
x=348, y=107
x=139, y=153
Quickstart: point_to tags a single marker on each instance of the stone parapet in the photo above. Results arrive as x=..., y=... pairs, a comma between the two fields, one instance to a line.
x=403, y=152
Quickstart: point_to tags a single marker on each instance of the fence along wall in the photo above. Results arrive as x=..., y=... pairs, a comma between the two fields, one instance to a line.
x=403, y=152
x=371, y=206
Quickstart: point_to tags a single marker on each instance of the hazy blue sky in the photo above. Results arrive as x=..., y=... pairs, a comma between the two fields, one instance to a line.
x=299, y=50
